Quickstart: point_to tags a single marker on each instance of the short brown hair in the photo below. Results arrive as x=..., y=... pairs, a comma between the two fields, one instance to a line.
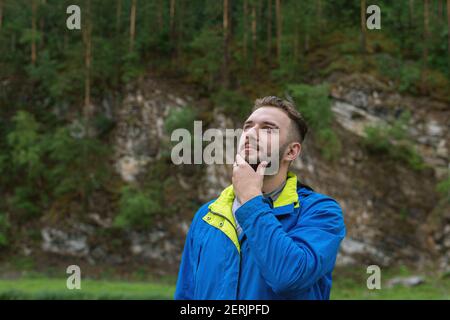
x=291, y=111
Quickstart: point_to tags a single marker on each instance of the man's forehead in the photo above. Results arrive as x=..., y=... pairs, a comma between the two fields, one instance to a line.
x=268, y=114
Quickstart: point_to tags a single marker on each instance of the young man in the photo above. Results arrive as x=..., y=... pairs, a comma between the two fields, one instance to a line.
x=266, y=236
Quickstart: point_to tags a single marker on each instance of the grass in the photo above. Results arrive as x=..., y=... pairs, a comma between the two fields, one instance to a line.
x=347, y=285
x=53, y=288
x=350, y=289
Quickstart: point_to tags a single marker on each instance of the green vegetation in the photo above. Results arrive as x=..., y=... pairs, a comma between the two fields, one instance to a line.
x=59, y=88
x=4, y=226
x=44, y=166
x=432, y=289
x=347, y=284
x=314, y=104
x=444, y=187
x=54, y=133
x=51, y=288
x=394, y=142
x=180, y=118
x=232, y=103
x=137, y=208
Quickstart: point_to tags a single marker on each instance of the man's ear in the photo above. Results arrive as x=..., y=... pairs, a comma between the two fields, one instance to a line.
x=293, y=151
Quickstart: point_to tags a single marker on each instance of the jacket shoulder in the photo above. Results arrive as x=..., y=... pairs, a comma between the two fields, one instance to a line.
x=202, y=211
x=321, y=209
x=309, y=197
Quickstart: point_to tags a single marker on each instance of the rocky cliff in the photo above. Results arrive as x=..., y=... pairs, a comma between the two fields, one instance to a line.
x=393, y=214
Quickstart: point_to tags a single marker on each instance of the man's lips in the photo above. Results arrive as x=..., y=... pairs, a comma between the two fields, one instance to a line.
x=248, y=147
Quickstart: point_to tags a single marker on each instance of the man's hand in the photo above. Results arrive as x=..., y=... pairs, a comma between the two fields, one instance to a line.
x=247, y=183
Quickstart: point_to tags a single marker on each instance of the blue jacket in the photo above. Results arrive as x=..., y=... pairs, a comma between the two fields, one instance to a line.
x=287, y=249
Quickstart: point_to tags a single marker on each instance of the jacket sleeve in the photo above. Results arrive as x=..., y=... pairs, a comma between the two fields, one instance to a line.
x=185, y=282
x=293, y=261
x=188, y=266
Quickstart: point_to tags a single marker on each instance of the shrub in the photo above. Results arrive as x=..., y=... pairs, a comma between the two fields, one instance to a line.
x=180, y=118
x=315, y=106
x=137, y=208
x=232, y=103
x=394, y=142
x=25, y=142
x=78, y=164
x=205, y=67
x=443, y=187
x=4, y=226
x=410, y=75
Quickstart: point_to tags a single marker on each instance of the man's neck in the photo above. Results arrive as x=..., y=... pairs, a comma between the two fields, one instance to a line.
x=274, y=181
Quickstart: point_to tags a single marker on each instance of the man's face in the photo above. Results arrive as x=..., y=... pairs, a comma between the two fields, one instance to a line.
x=265, y=133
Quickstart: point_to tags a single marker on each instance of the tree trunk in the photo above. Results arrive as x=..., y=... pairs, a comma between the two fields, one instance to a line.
x=426, y=39
x=245, y=28
x=269, y=28
x=33, y=31
x=319, y=14
x=254, y=34
x=1, y=14
x=279, y=26
x=160, y=15
x=42, y=26
x=132, y=25
x=172, y=19
x=363, y=27
x=226, y=36
x=179, y=28
x=448, y=34
x=411, y=13
x=118, y=14
x=87, y=39
x=296, y=37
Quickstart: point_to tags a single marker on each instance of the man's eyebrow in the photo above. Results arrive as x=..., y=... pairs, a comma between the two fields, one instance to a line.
x=270, y=123
x=264, y=122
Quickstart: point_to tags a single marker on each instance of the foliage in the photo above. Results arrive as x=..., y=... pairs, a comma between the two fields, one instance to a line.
x=76, y=167
x=180, y=118
x=47, y=164
x=4, y=226
x=315, y=106
x=25, y=143
x=393, y=141
x=205, y=67
x=232, y=103
x=444, y=187
x=137, y=208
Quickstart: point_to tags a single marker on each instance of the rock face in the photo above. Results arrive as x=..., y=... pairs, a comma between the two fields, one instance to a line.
x=386, y=206
x=360, y=101
x=140, y=129
x=64, y=243
x=407, y=282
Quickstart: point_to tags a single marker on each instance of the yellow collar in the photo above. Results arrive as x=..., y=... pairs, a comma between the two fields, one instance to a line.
x=221, y=217
x=288, y=195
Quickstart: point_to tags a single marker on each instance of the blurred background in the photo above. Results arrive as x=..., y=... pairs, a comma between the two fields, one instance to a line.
x=86, y=115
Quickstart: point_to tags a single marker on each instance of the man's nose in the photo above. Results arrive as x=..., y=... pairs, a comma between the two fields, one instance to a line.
x=253, y=132
x=252, y=136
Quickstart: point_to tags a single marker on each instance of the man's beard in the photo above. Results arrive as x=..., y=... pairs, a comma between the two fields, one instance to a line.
x=255, y=166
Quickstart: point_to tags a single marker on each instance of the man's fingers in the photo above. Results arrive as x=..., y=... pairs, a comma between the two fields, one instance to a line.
x=240, y=160
x=262, y=168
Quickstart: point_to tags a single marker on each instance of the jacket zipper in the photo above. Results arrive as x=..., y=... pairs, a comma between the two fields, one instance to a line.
x=237, y=236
